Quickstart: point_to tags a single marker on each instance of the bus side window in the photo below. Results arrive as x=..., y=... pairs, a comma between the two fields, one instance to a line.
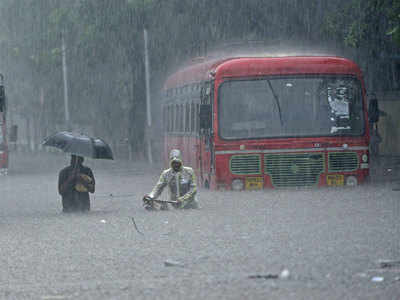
x=175, y=126
x=192, y=117
x=181, y=118
x=197, y=117
x=169, y=118
x=187, y=118
x=165, y=121
x=177, y=119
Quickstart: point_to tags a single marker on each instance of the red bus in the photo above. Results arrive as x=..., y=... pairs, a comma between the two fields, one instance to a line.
x=248, y=123
x=3, y=130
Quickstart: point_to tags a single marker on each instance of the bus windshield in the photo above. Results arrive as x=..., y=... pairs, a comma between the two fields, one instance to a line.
x=296, y=106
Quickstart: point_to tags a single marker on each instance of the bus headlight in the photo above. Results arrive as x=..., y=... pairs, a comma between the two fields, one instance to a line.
x=237, y=184
x=364, y=158
x=351, y=181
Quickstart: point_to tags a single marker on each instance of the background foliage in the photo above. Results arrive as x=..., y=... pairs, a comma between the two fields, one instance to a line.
x=105, y=55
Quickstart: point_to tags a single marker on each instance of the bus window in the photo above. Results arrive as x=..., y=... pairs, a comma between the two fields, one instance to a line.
x=187, y=118
x=178, y=118
x=181, y=118
x=169, y=118
x=192, y=117
x=197, y=123
x=175, y=119
x=184, y=123
x=290, y=107
x=165, y=120
x=343, y=104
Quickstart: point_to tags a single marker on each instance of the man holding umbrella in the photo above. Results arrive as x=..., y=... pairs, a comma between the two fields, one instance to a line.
x=74, y=184
x=76, y=181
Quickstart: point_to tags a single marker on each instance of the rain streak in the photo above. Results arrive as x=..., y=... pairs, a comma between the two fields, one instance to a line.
x=185, y=149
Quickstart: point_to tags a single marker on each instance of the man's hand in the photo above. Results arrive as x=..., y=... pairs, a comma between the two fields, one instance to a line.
x=148, y=203
x=147, y=199
x=180, y=201
x=84, y=179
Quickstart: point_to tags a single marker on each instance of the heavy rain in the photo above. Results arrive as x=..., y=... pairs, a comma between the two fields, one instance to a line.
x=286, y=115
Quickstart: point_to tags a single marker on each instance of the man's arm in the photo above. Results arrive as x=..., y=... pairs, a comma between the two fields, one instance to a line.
x=159, y=187
x=65, y=181
x=193, y=187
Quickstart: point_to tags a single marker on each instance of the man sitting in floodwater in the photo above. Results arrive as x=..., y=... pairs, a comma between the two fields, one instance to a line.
x=74, y=184
x=181, y=181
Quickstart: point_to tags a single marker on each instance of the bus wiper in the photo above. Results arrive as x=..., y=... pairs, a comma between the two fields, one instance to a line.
x=276, y=100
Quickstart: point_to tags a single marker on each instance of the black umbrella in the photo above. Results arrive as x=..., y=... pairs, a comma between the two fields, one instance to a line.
x=79, y=144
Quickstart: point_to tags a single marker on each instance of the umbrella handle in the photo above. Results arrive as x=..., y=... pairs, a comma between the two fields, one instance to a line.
x=75, y=166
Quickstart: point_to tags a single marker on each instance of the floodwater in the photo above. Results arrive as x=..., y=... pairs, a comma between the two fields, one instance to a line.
x=330, y=241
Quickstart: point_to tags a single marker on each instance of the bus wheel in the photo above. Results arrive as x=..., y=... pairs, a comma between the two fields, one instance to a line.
x=206, y=184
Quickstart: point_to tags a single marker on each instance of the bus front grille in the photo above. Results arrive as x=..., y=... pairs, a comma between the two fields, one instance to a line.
x=342, y=161
x=245, y=164
x=294, y=170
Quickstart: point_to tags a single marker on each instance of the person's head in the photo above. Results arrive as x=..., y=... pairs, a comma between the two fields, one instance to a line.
x=175, y=160
x=76, y=160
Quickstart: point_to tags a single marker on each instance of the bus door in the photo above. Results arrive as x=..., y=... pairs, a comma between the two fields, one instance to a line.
x=205, y=148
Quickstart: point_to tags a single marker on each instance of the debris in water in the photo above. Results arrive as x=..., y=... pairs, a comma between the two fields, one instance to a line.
x=388, y=263
x=103, y=221
x=285, y=274
x=53, y=297
x=377, y=279
x=266, y=276
x=173, y=263
x=134, y=223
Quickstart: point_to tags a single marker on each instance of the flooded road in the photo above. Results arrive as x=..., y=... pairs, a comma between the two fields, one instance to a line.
x=329, y=241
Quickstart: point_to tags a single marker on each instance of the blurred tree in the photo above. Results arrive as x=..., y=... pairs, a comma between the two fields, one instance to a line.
x=367, y=26
x=105, y=53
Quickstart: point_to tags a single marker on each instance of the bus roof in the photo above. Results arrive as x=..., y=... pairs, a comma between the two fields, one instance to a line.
x=261, y=66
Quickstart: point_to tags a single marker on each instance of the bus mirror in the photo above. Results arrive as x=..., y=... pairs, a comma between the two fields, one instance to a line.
x=205, y=93
x=14, y=133
x=205, y=116
x=373, y=111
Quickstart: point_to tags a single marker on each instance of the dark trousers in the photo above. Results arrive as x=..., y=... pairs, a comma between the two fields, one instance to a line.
x=75, y=203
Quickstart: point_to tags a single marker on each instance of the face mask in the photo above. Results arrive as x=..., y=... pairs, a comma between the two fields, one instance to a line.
x=176, y=166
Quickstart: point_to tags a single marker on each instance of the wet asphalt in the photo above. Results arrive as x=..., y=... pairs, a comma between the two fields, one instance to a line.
x=328, y=241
